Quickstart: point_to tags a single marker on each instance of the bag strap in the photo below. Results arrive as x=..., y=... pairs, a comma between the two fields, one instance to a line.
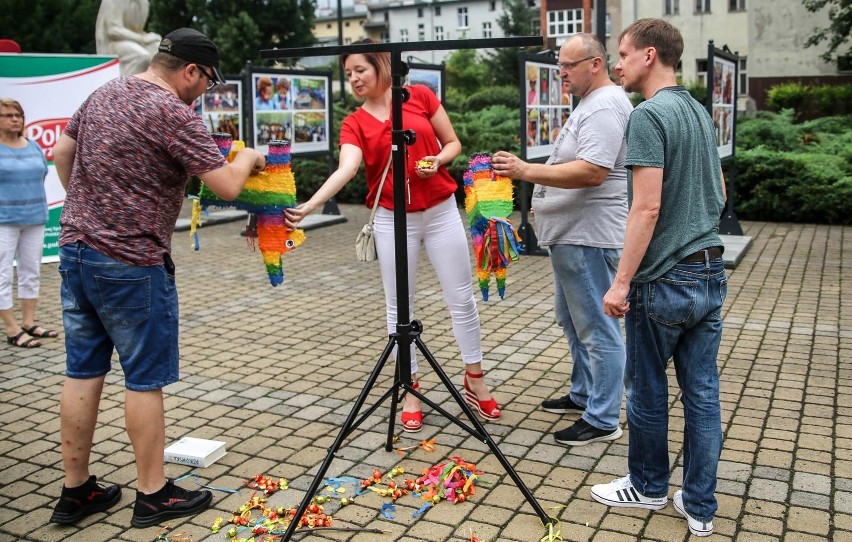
x=381, y=184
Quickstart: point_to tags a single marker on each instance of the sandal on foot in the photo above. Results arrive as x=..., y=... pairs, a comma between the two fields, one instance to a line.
x=412, y=422
x=45, y=334
x=487, y=409
x=32, y=342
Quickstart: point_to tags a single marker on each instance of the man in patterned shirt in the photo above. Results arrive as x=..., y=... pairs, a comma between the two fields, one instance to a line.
x=124, y=159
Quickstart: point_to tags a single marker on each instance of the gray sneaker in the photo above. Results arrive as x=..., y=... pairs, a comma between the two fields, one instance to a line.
x=582, y=433
x=698, y=528
x=562, y=405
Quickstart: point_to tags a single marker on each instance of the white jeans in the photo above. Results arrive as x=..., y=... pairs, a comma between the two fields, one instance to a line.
x=27, y=242
x=442, y=232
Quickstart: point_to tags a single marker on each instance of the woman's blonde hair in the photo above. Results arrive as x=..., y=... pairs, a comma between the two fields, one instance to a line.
x=9, y=102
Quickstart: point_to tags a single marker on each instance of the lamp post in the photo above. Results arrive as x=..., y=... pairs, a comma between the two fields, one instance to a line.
x=340, y=42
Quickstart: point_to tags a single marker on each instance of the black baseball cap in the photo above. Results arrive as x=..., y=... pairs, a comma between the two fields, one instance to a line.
x=193, y=46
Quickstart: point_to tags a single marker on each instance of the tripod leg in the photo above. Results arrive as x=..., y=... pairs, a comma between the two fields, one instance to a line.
x=348, y=426
x=483, y=433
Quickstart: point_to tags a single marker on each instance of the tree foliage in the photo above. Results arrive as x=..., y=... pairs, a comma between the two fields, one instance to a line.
x=50, y=26
x=839, y=29
x=241, y=28
x=517, y=19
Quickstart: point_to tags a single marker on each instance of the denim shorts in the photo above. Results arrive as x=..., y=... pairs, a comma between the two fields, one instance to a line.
x=108, y=304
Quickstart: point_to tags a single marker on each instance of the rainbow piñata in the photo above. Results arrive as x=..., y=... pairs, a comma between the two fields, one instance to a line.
x=266, y=195
x=488, y=202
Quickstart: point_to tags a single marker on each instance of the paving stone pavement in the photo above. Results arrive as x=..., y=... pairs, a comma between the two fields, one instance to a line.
x=275, y=371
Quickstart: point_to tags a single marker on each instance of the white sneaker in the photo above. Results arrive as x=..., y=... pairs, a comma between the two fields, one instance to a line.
x=622, y=493
x=698, y=528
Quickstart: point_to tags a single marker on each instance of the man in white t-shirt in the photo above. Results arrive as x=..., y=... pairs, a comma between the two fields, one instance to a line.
x=580, y=207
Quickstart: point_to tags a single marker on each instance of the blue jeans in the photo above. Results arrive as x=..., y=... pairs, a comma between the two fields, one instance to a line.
x=678, y=315
x=110, y=304
x=582, y=275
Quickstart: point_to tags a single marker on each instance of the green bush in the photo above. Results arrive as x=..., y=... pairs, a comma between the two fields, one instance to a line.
x=698, y=91
x=789, y=95
x=503, y=95
x=772, y=130
x=792, y=186
x=811, y=101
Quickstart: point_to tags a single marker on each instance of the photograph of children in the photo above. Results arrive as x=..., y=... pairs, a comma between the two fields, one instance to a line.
x=544, y=77
x=283, y=99
x=309, y=93
x=309, y=127
x=555, y=126
x=264, y=91
x=555, y=89
x=544, y=128
x=220, y=109
x=271, y=125
x=532, y=127
x=223, y=98
x=532, y=85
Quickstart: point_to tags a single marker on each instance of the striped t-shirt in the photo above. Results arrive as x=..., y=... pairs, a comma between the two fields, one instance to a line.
x=137, y=144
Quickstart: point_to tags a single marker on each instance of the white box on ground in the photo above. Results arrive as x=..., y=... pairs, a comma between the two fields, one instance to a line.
x=195, y=452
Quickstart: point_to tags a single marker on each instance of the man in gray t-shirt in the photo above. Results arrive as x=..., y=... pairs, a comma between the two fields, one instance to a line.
x=580, y=205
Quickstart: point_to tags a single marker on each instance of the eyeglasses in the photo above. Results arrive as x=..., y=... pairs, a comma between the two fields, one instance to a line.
x=571, y=65
x=211, y=81
x=11, y=116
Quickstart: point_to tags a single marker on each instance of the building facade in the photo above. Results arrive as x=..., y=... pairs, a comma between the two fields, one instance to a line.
x=768, y=35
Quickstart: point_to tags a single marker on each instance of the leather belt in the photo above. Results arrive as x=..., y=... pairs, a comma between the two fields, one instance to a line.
x=703, y=255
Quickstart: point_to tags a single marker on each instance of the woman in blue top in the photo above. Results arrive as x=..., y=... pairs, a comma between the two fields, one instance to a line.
x=23, y=214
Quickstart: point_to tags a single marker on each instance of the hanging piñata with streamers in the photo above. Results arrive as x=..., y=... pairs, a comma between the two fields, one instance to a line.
x=265, y=195
x=488, y=202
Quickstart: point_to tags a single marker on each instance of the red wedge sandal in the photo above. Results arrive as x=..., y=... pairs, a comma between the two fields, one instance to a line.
x=412, y=422
x=487, y=409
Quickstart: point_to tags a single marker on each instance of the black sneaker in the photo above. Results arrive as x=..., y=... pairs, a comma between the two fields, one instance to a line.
x=582, y=433
x=563, y=405
x=78, y=502
x=169, y=502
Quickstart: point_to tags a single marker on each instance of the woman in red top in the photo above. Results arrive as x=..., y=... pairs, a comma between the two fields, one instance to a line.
x=432, y=215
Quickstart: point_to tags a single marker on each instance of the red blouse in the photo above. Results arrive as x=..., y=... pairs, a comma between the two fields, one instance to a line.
x=373, y=137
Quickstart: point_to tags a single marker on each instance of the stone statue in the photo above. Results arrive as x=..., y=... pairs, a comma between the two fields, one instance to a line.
x=120, y=30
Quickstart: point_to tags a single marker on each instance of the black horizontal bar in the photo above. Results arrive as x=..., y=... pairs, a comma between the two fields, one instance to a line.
x=443, y=45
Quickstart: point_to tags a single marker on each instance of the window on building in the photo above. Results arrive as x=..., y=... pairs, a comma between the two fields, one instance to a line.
x=743, y=82
x=492, y=6
x=419, y=13
x=736, y=5
x=403, y=35
x=672, y=7
x=437, y=11
x=701, y=71
x=387, y=16
x=347, y=41
x=565, y=22
x=844, y=63
x=385, y=37
x=486, y=29
x=346, y=24
x=462, y=12
x=421, y=32
x=439, y=33
x=702, y=6
x=328, y=25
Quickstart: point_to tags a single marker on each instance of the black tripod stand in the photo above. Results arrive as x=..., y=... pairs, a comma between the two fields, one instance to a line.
x=407, y=331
